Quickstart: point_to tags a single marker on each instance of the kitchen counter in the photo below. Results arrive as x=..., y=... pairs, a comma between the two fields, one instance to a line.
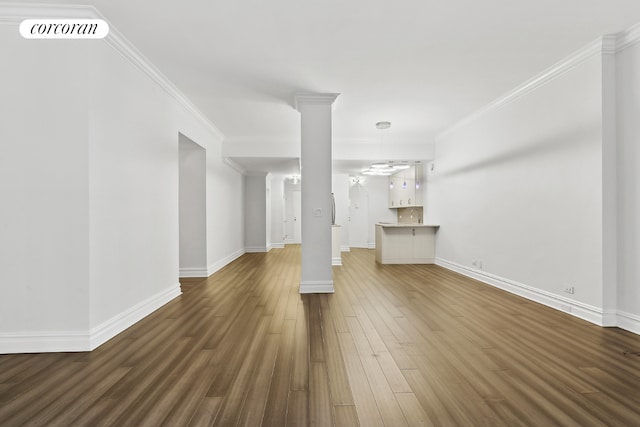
x=405, y=243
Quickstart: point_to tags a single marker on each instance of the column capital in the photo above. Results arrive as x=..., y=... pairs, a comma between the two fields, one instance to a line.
x=307, y=98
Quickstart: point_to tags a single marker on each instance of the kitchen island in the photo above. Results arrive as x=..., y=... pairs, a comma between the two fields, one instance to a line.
x=405, y=243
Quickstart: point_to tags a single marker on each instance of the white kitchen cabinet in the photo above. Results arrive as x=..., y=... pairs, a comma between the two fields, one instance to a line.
x=405, y=243
x=405, y=188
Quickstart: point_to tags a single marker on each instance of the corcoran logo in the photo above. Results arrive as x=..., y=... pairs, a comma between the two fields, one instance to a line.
x=64, y=29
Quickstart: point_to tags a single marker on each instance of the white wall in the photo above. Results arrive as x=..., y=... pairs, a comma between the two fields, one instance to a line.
x=92, y=214
x=628, y=138
x=255, y=200
x=368, y=202
x=519, y=187
x=44, y=219
x=378, y=189
x=225, y=211
x=193, y=208
x=277, y=211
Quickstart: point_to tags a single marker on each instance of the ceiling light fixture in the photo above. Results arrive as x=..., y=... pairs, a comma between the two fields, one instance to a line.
x=380, y=168
x=389, y=167
x=401, y=166
x=380, y=165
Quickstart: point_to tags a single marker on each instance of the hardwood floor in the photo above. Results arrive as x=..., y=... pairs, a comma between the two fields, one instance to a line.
x=394, y=346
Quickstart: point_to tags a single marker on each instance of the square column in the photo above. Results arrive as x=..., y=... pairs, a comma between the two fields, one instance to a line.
x=315, y=165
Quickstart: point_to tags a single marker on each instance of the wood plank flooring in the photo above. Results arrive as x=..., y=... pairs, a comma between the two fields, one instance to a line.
x=394, y=346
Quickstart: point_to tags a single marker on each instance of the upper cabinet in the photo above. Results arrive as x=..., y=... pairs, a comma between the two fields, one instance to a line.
x=405, y=188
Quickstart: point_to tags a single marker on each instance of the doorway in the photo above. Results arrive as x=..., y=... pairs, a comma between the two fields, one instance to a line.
x=358, y=216
x=297, y=210
x=292, y=210
x=192, y=177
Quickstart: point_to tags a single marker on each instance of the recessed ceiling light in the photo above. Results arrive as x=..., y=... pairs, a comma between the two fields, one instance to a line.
x=383, y=125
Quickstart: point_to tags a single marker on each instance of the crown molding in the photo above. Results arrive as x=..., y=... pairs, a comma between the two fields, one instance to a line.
x=605, y=45
x=234, y=165
x=15, y=13
x=558, y=69
x=628, y=37
x=314, y=99
x=118, y=42
x=609, y=44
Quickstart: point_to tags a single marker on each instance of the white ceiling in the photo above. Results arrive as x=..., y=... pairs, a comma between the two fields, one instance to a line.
x=421, y=64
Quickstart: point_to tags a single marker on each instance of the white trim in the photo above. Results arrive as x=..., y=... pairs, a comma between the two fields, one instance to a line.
x=119, y=43
x=609, y=318
x=345, y=248
x=551, y=73
x=73, y=341
x=14, y=13
x=584, y=311
x=224, y=261
x=628, y=321
x=336, y=261
x=112, y=327
x=277, y=245
x=234, y=165
x=628, y=37
x=44, y=342
x=371, y=245
x=193, y=272
x=605, y=45
x=301, y=99
x=255, y=249
x=316, y=287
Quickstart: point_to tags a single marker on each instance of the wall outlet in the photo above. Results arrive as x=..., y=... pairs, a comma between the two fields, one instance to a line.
x=569, y=289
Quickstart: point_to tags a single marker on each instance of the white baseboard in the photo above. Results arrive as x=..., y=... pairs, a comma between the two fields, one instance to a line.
x=584, y=311
x=277, y=245
x=112, y=327
x=345, y=248
x=224, y=261
x=316, y=287
x=628, y=321
x=44, y=342
x=74, y=341
x=336, y=261
x=194, y=272
x=206, y=272
x=255, y=249
x=372, y=245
